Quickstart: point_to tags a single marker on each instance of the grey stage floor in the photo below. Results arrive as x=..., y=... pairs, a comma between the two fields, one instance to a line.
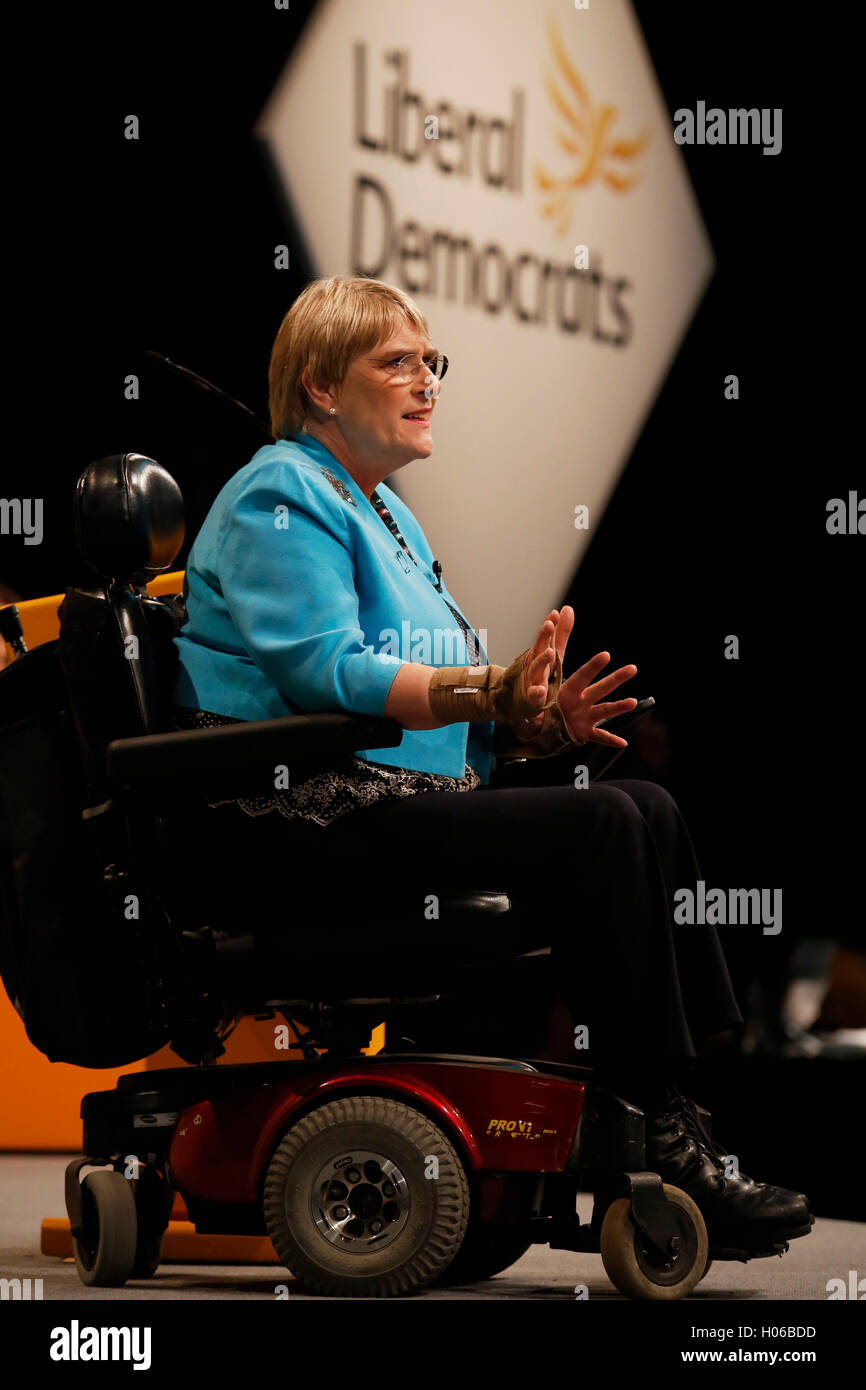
x=31, y=1187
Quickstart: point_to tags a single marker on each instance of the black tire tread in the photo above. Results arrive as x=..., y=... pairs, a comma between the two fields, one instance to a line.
x=118, y=1224
x=452, y=1205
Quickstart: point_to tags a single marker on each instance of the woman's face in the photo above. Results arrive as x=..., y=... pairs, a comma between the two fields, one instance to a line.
x=373, y=406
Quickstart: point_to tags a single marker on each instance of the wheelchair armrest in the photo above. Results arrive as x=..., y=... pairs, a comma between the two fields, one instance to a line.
x=234, y=759
x=547, y=772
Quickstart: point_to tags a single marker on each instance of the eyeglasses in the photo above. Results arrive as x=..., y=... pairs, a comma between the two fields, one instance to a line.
x=405, y=369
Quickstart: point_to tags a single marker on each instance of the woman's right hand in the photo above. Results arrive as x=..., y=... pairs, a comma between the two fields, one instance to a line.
x=551, y=641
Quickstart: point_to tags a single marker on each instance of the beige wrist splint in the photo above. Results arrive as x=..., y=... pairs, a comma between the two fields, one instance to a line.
x=480, y=693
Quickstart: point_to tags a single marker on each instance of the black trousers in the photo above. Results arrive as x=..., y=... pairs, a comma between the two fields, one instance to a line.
x=591, y=873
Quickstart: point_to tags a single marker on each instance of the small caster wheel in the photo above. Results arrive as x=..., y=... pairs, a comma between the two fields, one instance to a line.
x=153, y=1203
x=105, y=1246
x=637, y=1269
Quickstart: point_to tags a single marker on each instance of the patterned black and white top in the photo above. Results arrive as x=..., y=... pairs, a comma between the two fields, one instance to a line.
x=349, y=785
x=352, y=782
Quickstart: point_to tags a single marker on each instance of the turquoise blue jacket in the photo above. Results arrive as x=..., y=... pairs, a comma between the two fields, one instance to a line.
x=300, y=600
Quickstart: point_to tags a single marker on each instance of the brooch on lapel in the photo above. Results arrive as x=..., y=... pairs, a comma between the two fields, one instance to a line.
x=338, y=485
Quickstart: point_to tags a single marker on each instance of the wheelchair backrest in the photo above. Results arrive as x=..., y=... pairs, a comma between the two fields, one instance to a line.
x=115, y=642
x=76, y=961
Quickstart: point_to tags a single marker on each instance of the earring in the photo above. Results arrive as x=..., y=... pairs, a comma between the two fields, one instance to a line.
x=332, y=411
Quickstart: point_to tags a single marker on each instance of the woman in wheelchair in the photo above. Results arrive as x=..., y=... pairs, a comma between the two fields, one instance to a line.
x=306, y=569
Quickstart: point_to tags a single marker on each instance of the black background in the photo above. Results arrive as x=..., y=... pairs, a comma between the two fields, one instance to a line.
x=718, y=524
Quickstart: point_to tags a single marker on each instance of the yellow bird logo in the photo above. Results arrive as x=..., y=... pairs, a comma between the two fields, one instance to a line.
x=586, y=138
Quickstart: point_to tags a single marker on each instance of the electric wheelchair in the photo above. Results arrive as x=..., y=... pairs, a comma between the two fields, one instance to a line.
x=132, y=916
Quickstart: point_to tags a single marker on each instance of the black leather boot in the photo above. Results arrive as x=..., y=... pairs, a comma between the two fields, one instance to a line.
x=739, y=1213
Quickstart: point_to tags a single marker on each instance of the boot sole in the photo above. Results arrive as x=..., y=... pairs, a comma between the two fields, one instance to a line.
x=752, y=1241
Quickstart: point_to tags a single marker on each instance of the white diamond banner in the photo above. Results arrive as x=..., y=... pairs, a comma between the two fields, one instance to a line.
x=512, y=166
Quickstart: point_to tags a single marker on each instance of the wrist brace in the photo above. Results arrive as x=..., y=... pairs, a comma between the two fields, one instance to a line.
x=477, y=694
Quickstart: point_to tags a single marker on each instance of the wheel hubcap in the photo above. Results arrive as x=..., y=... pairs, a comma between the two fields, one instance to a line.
x=680, y=1255
x=360, y=1201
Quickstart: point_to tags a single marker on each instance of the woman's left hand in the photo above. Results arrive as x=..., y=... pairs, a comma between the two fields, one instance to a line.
x=579, y=696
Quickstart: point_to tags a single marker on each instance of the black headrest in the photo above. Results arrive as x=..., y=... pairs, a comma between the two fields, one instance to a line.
x=128, y=517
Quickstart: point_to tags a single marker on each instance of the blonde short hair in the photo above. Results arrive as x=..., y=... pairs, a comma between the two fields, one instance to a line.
x=333, y=320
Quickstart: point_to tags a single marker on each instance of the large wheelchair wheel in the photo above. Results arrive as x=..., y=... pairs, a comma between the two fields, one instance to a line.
x=489, y=1247
x=105, y=1247
x=366, y=1198
x=636, y=1269
x=485, y=1251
